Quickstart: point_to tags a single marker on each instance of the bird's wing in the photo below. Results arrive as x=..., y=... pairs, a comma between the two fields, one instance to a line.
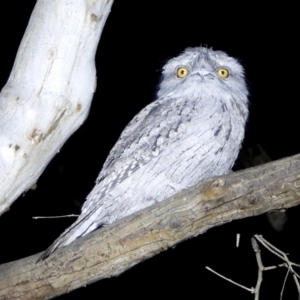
x=151, y=131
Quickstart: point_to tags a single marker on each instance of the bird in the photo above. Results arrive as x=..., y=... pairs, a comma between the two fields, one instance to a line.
x=192, y=130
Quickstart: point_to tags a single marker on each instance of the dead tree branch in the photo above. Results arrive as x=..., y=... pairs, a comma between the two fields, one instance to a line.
x=111, y=250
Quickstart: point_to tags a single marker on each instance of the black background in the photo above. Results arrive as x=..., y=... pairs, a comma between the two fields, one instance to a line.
x=138, y=38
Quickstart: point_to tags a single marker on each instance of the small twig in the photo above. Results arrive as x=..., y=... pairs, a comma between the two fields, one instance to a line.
x=275, y=267
x=247, y=289
x=278, y=253
x=284, y=282
x=238, y=238
x=297, y=284
x=261, y=268
x=287, y=263
x=54, y=217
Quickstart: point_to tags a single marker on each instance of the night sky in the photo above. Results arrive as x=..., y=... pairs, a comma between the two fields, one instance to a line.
x=138, y=38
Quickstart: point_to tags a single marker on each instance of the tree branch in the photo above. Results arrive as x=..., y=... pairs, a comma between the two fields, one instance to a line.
x=111, y=250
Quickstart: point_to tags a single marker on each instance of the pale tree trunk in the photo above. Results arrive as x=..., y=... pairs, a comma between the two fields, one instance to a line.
x=111, y=250
x=50, y=89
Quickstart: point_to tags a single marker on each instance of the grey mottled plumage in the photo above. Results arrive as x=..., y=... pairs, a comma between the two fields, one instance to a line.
x=193, y=130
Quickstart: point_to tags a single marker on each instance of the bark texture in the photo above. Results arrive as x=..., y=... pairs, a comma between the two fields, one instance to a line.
x=111, y=250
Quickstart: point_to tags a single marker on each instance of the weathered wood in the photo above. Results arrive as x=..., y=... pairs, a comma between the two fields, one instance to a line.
x=111, y=250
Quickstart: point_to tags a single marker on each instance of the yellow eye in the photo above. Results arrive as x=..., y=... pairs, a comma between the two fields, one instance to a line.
x=223, y=73
x=182, y=72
